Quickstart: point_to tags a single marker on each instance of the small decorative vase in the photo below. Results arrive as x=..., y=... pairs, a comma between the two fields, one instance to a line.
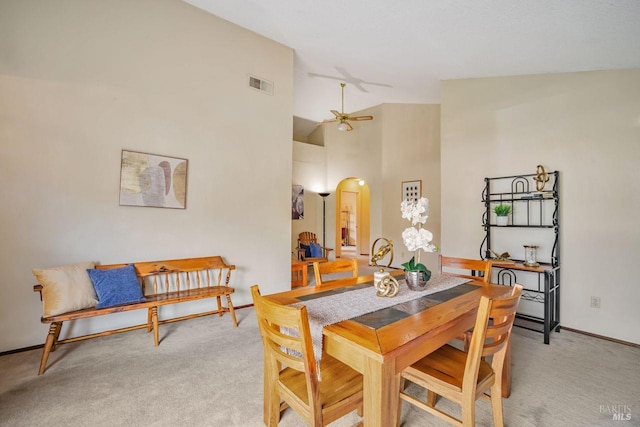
x=502, y=220
x=416, y=280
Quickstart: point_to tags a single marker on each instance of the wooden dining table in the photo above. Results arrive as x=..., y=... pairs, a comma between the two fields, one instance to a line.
x=381, y=347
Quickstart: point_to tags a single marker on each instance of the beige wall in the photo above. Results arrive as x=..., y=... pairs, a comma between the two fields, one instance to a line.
x=410, y=152
x=80, y=81
x=402, y=143
x=587, y=126
x=309, y=170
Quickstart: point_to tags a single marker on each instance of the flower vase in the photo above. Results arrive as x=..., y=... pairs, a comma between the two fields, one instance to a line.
x=415, y=280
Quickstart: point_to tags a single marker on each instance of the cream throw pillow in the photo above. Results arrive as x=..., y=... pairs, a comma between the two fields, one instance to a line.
x=66, y=288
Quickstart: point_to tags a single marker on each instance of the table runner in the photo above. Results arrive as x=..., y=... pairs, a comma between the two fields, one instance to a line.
x=349, y=304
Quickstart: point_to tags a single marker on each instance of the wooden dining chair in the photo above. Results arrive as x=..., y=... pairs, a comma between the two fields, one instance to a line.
x=291, y=374
x=331, y=267
x=464, y=267
x=464, y=377
x=476, y=269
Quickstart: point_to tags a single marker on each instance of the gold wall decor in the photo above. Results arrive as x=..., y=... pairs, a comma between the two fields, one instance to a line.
x=541, y=178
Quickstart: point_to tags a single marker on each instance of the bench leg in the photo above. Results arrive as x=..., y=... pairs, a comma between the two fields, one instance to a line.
x=231, y=310
x=49, y=345
x=220, y=309
x=55, y=338
x=154, y=321
x=150, y=319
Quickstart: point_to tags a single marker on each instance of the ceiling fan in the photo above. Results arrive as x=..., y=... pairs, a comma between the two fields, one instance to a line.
x=344, y=118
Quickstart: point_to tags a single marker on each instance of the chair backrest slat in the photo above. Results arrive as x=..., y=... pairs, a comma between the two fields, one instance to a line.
x=465, y=267
x=331, y=267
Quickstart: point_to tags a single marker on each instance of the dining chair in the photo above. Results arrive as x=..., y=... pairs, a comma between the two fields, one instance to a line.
x=291, y=373
x=464, y=267
x=331, y=267
x=476, y=269
x=464, y=377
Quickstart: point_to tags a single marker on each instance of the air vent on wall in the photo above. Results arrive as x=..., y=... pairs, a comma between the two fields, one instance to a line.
x=262, y=85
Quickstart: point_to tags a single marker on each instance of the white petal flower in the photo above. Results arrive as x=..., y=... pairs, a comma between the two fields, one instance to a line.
x=409, y=237
x=415, y=210
x=416, y=238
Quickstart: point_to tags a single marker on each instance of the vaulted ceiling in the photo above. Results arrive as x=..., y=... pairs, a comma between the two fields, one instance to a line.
x=399, y=52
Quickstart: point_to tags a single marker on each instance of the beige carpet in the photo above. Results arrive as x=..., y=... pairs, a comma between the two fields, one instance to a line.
x=208, y=373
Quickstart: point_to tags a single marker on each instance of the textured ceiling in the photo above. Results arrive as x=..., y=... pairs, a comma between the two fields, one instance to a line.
x=400, y=51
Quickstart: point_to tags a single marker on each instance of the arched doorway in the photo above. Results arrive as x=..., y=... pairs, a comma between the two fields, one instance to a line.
x=352, y=216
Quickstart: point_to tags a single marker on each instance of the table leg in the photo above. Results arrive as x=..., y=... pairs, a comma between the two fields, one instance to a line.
x=305, y=271
x=381, y=393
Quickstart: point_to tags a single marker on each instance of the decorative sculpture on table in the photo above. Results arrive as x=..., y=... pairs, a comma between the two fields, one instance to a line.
x=383, y=250
x=386, y=286
x=503, y=257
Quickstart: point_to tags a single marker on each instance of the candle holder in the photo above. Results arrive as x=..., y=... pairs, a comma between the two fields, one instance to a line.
x=530, y=253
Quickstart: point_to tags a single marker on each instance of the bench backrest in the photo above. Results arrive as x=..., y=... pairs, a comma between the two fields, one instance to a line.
x=157, y=277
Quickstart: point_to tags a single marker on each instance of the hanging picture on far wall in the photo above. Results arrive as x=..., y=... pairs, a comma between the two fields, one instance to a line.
x=297, y=202
x=411, y=190
x=153, y=180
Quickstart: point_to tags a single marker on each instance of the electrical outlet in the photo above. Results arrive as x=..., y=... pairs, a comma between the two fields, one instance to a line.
x=595, y=302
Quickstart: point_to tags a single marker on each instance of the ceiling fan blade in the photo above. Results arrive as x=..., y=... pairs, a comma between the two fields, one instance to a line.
x=337, y=114
x=328, y=121
x=349, y=127
x=358, y=118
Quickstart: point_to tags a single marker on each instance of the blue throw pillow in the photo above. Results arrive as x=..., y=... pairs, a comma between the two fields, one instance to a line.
x=316, y=250
x=307, y=250
x=116, y=286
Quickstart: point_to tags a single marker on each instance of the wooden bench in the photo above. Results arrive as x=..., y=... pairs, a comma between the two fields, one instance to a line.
x=163, y=283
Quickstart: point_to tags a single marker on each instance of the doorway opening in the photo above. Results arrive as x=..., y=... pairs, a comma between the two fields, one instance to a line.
x=352, y=218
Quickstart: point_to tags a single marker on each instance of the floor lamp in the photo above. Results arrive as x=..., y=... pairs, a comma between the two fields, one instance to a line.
x=324, y=219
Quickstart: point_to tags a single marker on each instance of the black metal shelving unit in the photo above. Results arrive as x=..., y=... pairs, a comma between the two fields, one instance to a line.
x=530, y=205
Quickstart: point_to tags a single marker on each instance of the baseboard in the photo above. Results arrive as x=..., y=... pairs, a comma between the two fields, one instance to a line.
x=20, y=350
x=602, y=337
x=35, y=347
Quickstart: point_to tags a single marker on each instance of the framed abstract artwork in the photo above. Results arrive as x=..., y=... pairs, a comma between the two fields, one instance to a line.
x=297, y=202
x=411, y=190
x=153, y=180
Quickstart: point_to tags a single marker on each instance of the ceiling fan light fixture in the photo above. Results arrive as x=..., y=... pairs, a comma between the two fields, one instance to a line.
x=343, y=118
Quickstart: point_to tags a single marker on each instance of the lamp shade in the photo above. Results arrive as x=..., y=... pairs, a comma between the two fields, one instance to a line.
x=343, y=126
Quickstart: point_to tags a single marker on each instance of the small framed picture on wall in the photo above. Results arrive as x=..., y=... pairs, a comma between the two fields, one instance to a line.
x=411, y=190
x=297, y=202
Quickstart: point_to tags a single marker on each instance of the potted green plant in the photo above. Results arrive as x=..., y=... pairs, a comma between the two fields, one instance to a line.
x=502, y=214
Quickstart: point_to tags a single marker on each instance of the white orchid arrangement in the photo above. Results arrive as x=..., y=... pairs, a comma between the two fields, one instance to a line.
x=417, y=237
